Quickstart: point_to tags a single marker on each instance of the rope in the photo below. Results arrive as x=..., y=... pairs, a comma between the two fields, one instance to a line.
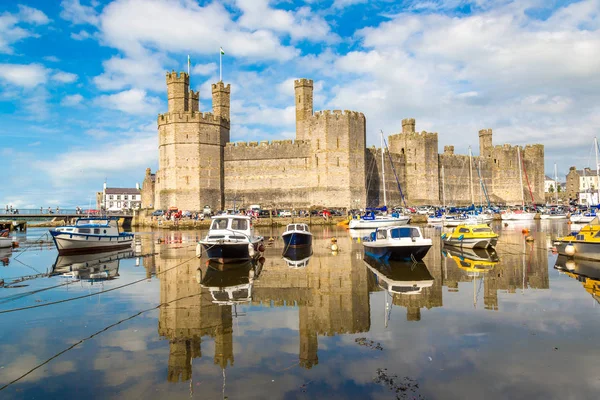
x=92, y=294
x=30, y=246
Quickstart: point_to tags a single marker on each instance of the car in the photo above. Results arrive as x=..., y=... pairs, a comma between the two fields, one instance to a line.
x=207, y=210
x=187, y=214
x=158, y=213
x=285, y=213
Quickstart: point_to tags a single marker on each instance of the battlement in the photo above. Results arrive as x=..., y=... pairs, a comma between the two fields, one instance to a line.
x=415, y=135
x=339, y=113
x=484, y=132
x=191, y=116
x=449, y=150
x=177, y=77
x=303, y=82
x=408, y=125
x=220, y=87
x=275, y=149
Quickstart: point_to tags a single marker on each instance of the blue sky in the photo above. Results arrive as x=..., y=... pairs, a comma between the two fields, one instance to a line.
x=81, y=81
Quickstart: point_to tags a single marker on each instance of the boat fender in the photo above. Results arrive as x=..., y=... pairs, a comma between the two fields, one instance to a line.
x=570, y=250
x=444, y=236
x=261, y=248
x=198, y=250
x=570, y=265
x=334, y=247
x=250, y=249
x=461, y=237
x=529, y=238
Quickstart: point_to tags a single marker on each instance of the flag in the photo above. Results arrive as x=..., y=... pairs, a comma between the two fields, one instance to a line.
x=222, y=51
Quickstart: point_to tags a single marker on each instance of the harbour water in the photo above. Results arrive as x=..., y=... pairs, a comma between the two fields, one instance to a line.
x=170, y=325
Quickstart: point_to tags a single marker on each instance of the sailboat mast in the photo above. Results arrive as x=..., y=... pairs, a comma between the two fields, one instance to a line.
x=471, y=176
x=443, y=189
x=556, y=183
x=597, y=169
x=383, y=170
x=521, y=176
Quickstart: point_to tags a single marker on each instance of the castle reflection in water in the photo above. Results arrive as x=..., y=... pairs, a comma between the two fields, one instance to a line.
x=331, y=293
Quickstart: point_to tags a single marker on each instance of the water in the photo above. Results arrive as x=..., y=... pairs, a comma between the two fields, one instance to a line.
x=509, y=328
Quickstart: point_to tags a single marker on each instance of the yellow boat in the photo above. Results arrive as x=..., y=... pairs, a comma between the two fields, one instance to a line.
x=583, y=244
x=586, y=272
x=472, y=260
x=479, y=236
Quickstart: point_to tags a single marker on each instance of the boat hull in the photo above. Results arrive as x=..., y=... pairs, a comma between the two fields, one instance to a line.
x=5, y=242
x=517, y=216
x=398, y=253
x=76, y=244
x=296, y=239
x=587, y=251
x=550, y=216
x=377, y=223
x=474, y=243
x=227, y=253
x=297, y=253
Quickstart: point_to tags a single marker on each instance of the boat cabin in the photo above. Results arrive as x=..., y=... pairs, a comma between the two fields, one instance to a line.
x=232, y=227
x=92, y=226
x=297, y=228
x=397, y=232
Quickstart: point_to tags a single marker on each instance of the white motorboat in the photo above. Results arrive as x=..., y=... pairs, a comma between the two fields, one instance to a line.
x=90, y=235
x=5, y=240
x=517, y=215
x=231, y=239
x=398, y=243
x=371, y=221
x=582, y=218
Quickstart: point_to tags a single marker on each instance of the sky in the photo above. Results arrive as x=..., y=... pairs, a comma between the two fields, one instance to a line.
x=82, y=81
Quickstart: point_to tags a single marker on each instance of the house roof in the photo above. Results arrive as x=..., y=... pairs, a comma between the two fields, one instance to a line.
x=122, y=191
x=548, y=178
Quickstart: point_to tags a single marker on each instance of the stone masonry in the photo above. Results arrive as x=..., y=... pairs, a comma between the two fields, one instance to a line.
x=327, y=165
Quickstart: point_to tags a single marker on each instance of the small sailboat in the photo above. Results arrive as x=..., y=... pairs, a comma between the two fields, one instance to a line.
x=397, y=243
x=479, y=236
x=519, y=215
x=90, y=235
x=231, y=239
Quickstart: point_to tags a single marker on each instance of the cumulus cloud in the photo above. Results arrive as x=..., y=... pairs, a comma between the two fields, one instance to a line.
x=133, y=101
x=204, y=69
x=143, y=71
x=78, y=14
x=24, y=75
x=11, y=26
x=72, y=100
x=64, y=77
x=81, y=35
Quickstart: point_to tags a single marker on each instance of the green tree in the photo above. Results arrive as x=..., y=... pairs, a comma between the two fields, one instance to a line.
x=559, y=187
x=551, y=189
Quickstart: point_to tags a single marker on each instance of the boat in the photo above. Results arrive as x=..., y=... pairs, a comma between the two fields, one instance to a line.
x=231, y=239
x=89, y=235
x=231, y=283
x=472, y=260
x=519, y=215
x=91, y=267
x=397, y=243
x=296, y=236
x=479, y=236
x=399, y=277
x=585, y=271
x=583, y=218
x=297, y=261
x=584, y=243
x=554, y=214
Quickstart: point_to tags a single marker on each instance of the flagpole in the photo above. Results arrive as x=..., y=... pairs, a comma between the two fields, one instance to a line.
x=220, y=65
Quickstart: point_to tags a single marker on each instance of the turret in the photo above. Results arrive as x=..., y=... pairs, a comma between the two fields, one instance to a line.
x=221, y=98
x=178, y=85
x=303, y=89
x=194, y=100
x=485, y=142
x=408, y=125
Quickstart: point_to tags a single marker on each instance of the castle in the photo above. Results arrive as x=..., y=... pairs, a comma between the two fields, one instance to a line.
x=327, y=165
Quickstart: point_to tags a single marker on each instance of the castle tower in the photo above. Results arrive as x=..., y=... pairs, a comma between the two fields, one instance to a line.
x=309, y=342
x=485, y=142
x=191, y=147
x=303, y=89
x=221, y=98
x=408, y=125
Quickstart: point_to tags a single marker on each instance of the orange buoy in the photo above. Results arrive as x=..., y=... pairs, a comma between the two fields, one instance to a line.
x=525, y=231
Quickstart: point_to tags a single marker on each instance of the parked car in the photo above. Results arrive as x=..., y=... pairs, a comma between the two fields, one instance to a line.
x=187, y=214
x=207, y=211
x=285, y=213
x=158, y=213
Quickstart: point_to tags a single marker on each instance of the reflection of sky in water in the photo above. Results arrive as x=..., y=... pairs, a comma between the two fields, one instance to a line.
x=516, y=328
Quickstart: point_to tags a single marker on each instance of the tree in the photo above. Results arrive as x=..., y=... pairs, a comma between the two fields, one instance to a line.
x=551, y=189
x=559, y=187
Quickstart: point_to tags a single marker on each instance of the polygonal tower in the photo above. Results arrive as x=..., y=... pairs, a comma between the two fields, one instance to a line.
x=303, y=89
x=485, y=142
x=191, y=146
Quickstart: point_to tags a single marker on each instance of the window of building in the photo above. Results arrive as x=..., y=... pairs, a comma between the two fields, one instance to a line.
x=118, y=197
x=111, y=204
x=111, y=197
x=125, y=197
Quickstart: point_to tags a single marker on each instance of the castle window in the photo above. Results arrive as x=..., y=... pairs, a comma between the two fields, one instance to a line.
x=299, y=99
x=318, y=144
x=402, y=150
x=317, y=158
x=495, y=161
x=338, y=143
x=187, y=180
x=338, y=162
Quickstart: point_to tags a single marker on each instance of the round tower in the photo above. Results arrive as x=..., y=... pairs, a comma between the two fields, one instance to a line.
x=221, y=97
x=303, y=89
x=178, y=85
x=485, y=142
x=408, y=125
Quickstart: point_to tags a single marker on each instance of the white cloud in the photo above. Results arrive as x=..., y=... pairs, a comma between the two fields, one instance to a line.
x=52, y=58
x=11, y=32
x=64, y=77
x=72, y=100
x=133, y=101
x=78, y=14
x=144, y=71
x=23, y=75
x=32, y=15
x=134, y=26
x=204, y=69
x=301, y=24
x=81, y=35
x=346, y=3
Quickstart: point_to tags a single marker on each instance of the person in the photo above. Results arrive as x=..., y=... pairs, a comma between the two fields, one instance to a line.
x=57, y=210
x=11, y=209
x=49, y=210
x=7, y=209
x=41, y=210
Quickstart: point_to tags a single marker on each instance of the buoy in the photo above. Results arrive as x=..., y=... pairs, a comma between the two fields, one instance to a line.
x=261, y=248
x=525, y=231
x=506, y=224
x=251, y=250
x=333, y=240
x=198, y=250
x=569, y=222
x=569, y=250
x=529, y=238
x=334, y=253
x=334, y=247
x=570, y=265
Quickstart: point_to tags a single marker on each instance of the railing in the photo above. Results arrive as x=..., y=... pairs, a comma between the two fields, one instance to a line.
x=60, y=211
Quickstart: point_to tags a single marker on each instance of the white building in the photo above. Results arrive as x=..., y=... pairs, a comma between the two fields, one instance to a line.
x=121, y=199
x=549, y=183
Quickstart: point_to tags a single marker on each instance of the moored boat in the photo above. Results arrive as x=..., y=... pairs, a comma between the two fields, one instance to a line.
x=231, y=283
x=399, y=277
x=370, y=221
x=231, y=239
x=584, y=243
x=90, y=235
x=397, y=243
x=471, y=236
x=517, y=215
x=296, y=236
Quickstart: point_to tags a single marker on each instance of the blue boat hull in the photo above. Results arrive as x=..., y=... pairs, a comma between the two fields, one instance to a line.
x=297, y=253
x=296, y=240
x=229, y=253
x=405, y=253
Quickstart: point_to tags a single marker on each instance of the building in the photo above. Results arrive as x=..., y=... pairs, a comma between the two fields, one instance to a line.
x=549, y=184
x=327, y=165
x=582, y=185
x=120, y=199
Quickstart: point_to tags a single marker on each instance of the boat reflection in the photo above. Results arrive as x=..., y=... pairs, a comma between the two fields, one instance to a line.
x=473, y=261
x=5, y=254
x=297, y=257
x=585, y=271
x=90, y=267
x=231, y=283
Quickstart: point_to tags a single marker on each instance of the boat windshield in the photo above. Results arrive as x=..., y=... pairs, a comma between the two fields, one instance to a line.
x=477, y=230
x=239, y=224
x=220, y=223
x=405, y=232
